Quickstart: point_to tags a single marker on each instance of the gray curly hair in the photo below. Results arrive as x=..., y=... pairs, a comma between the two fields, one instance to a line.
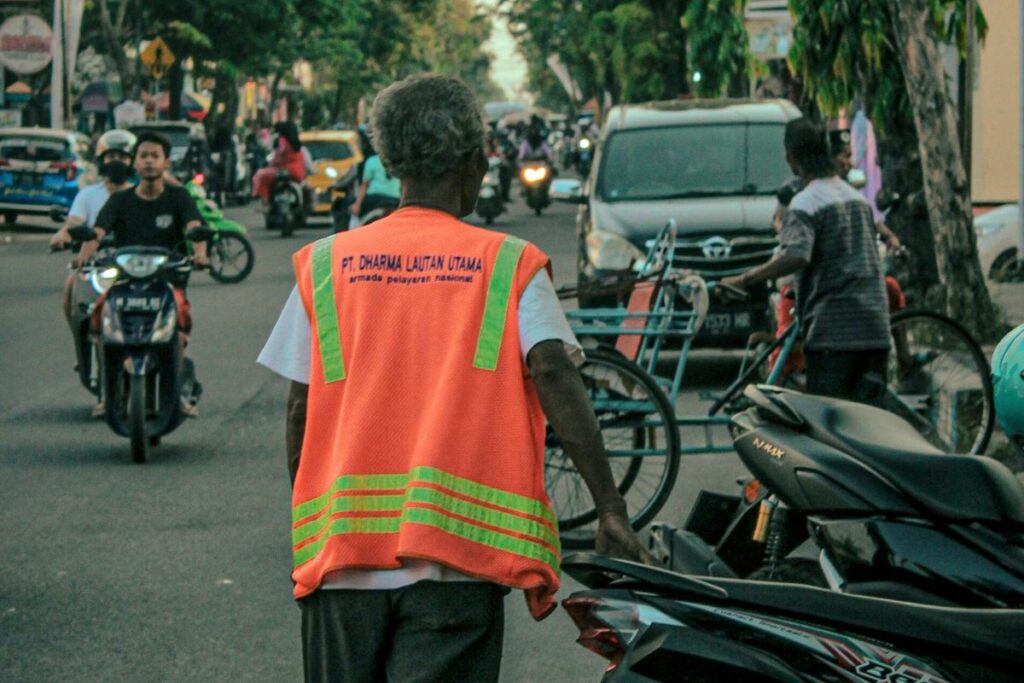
x=424, y=126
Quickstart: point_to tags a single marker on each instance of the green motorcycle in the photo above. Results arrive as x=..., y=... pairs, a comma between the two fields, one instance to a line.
x=231, y=255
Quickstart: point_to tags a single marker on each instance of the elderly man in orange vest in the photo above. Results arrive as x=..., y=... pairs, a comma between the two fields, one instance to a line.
x=424, y=355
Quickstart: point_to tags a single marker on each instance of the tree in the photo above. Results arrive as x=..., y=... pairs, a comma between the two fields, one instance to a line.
x=848, y=52
x=717, y=41
x=945, y=178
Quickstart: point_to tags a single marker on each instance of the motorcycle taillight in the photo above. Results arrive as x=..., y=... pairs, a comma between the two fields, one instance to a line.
x=606, y=626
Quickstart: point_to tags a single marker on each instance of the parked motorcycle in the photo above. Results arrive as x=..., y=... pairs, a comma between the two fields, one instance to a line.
x=536, y=177
x=144, y=375
x=584, y=155
x=852, y=497
x=231, y=255
x=488, y=204
x=287, y=211
x=656, y=625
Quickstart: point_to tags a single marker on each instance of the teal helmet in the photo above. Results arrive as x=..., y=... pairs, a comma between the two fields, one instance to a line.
x=1008, y=385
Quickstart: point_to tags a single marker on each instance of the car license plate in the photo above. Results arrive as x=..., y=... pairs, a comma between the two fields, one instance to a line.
x=726, y=323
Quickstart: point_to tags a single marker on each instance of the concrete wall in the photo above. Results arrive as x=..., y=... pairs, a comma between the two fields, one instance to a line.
x=996, y=141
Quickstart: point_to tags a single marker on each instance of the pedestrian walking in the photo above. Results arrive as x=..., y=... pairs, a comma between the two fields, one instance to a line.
x=829, y=239
x=424, y=355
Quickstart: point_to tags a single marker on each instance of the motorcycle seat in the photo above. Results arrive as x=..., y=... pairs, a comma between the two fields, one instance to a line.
x=954, y=487
x=967, y=633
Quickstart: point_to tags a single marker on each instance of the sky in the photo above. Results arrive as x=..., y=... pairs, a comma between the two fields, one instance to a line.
x=508, y=69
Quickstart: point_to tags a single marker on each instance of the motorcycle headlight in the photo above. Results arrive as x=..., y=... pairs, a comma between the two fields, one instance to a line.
x=111, y=324
x=608, y=251
x=534, y=174
x=584, y=143
x=165, y=325
x=331, y=172
x=102, y=278
x=488, y=179
x=141, y=265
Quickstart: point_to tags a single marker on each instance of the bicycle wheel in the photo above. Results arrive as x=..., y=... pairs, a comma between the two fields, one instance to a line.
x=231, y=258
x=641, y=437
x=939, y=381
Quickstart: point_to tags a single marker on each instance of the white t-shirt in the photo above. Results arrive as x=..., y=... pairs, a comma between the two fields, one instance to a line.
x=287, y=352
x=88, y=202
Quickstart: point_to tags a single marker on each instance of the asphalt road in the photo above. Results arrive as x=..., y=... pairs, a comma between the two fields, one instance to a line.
x=177, y=570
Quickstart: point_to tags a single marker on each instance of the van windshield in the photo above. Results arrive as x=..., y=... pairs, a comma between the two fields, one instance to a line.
x=693, y=161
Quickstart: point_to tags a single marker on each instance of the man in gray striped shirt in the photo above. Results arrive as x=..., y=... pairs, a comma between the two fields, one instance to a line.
x=829, y=239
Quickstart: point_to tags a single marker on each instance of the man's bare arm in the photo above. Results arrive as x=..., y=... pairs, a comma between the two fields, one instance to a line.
x=295, y=426
x=567, y=407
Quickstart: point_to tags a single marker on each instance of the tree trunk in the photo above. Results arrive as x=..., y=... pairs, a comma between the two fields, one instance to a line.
x=900, y=162
x=113, y=40
x=945, y=181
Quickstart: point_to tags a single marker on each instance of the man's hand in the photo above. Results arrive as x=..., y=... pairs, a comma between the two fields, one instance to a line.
x=60, y=239
x=355, y=208
x=200, y=261
x=616, y=538
x=734, y=282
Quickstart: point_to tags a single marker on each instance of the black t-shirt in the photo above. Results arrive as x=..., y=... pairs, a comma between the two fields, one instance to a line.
x=159, y=222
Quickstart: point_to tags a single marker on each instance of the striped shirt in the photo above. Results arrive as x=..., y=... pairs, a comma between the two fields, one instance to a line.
x=841, y=293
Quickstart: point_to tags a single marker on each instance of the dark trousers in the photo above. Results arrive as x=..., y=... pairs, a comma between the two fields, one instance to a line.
x=851, y=375
x=429, y=631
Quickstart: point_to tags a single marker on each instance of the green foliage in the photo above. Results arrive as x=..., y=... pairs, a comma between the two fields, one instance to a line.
x=635, y=50
x=718, y=46
x=844, y=49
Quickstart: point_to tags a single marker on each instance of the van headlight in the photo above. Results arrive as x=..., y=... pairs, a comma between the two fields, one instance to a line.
x=984, y=229
x=608, y=251
x=331, y=172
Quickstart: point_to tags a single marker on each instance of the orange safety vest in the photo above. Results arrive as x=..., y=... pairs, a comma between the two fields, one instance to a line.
x=424, y=435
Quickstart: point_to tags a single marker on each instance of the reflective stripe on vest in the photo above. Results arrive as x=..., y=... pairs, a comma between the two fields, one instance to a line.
x=492, y=327
x=326, y=311
x=367, y=504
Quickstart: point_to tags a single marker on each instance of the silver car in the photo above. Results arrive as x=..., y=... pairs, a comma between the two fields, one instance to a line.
x=712, y=165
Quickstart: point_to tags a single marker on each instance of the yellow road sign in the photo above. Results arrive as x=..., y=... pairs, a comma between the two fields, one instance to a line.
x=157, y=56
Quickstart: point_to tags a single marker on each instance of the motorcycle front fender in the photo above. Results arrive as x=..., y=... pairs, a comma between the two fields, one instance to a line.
x=136, y=364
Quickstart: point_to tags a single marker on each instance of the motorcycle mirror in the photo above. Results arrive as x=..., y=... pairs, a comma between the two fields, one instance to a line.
x=82, y=233
x=58, y=213
x=201, y=233
x=857, y=178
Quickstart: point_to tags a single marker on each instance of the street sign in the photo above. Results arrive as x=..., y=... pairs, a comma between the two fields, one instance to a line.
x=25, y=43
x=157, y=57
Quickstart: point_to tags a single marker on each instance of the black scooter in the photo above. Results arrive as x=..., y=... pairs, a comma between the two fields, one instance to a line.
x=852, y=497
x=144, y=374
x=656, y=625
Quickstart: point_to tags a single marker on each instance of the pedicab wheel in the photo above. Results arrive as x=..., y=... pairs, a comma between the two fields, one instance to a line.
x=137, y=418
x=939, y=381
x=641, y=437
x=231, y=258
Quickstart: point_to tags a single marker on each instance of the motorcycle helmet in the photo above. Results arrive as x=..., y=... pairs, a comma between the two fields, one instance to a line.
x=119, y=140
x=1008, y=385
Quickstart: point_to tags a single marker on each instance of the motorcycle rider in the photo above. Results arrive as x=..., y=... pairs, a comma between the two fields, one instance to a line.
x=288, y=156
x=114, y=153
x=153, y=213
x=535, y=146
